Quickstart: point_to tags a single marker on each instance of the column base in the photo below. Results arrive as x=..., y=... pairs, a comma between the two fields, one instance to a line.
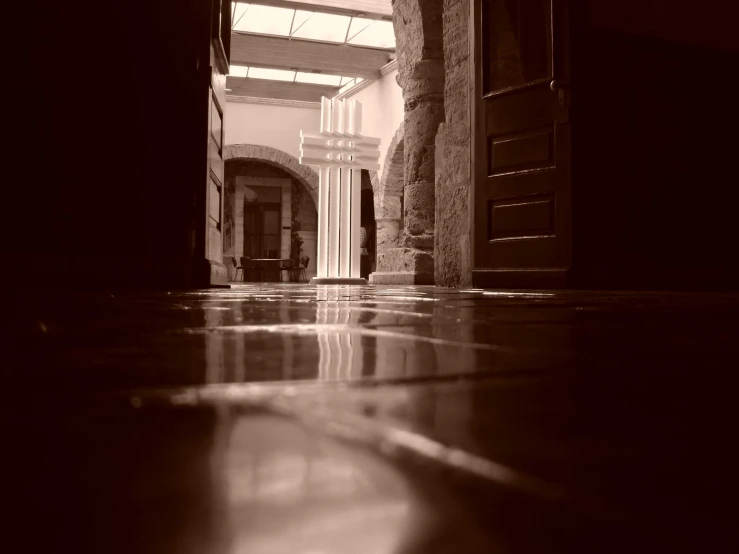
x=338, y=281
x=401, y=278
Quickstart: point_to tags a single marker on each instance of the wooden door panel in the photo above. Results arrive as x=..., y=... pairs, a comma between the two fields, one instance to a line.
x=521, y=151
x=521, y=218
x=518, y=110
x=522, y=205
x=521, y=183
x=539, y=253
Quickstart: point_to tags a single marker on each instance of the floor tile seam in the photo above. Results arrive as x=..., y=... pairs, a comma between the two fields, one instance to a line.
x=256, y=392
x=310, y=329
x=391, y=439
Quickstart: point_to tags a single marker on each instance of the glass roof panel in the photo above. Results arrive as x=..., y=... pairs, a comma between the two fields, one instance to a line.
x=319, y=79
x=358, y=25
x=266, y=20
x=324, y=26
x=238, y=71
x=378, y=34
x=301, y=16
x=239, y=9
x=274, y=74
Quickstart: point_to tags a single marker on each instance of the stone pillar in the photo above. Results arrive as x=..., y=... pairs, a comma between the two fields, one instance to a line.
x=389, y=226
x=453, y=178
x=419, y=38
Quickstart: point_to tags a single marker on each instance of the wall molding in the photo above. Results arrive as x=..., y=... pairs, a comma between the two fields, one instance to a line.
x=273, y=102
x=384, y=70
x=355, y=89
x=389, y=67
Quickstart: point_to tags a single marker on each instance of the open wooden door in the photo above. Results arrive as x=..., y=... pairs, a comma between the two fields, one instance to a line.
x=521, y=135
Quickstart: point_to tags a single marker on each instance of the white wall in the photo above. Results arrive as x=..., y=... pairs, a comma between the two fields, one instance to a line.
x=267, y=125
x=279, y=126
x=382, y=111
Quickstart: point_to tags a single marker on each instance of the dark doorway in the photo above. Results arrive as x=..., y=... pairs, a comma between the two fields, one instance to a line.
x=368, y=261
x=261, y=230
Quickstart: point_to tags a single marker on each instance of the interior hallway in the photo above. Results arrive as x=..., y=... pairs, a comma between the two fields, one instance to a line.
x=296, y=419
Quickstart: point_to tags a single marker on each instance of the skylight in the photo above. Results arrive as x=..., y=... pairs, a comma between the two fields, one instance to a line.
x=378, y=34
x=312, y=25
x=325, y=27
x=265, y=20
x=319, y=79
x=238, y=71
x=273, y=74
x=293, y=76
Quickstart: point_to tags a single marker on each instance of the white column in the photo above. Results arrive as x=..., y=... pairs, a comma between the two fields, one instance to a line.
x=346, y=225
x=334, y=205
x=322, y=235
x=357, y=118
x=356, y=219
x=340, y=152
x=337, y=117
x=325, y=116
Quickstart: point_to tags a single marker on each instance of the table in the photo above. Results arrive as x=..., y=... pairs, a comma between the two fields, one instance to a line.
x=266, y=262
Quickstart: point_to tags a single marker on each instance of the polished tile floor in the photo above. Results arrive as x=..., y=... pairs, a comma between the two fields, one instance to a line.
x=302, y=419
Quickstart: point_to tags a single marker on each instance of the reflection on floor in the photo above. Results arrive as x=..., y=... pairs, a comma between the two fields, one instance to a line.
x=292, y=418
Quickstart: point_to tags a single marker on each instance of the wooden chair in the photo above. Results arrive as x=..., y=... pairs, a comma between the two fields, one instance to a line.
x=237, y=268
x=301, y=270
x=286, y=266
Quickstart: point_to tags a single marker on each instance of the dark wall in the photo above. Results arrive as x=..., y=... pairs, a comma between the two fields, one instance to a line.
x=710, y=23
x=113, y=141
x=653, y=143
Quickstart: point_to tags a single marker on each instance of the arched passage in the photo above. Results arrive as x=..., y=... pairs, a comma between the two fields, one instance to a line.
x=286, y=203
x=276, y=157
x=389, y=200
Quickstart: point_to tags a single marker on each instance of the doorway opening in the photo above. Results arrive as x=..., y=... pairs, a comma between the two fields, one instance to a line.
x=368, y=257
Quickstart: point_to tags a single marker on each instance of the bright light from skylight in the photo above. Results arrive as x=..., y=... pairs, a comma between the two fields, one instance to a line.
x=301, y=17
x=325, y=27
x=273, y=74
x=319, y=79
x=238, y=71
x=265, y=20
x=358, y=25
x=296, y=76
x=379, y=34
x=312, y=25
x=238, y=12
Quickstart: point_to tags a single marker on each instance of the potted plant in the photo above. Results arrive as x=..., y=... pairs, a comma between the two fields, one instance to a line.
x=296, y=248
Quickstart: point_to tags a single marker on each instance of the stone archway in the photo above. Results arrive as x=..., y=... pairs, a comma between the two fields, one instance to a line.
x=388, y=200
x=262, y=163
x=276, y=157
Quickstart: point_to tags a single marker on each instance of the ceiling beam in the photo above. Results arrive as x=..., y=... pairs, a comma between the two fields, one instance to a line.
x=283, y=53
x=282, y=90
x=372, y=9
